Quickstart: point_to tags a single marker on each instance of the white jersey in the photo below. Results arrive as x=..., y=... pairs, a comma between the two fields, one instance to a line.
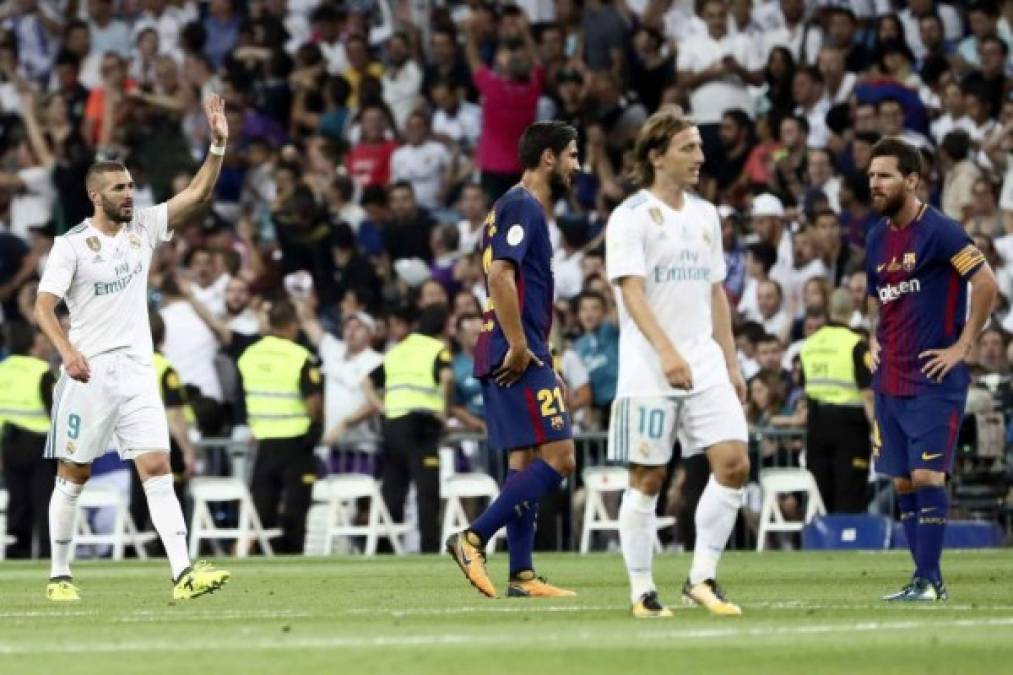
x=680, y=256
x=104, y=281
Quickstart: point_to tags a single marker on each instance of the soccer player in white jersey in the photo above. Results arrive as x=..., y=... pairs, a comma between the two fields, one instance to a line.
x=107, y=392
x=678, y=373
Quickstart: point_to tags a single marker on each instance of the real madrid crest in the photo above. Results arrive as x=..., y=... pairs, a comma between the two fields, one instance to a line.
x=134, y=240
x=94, y=244
x=656, y=216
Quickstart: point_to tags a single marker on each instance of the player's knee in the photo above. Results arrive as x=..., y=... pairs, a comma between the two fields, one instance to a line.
x=733, y=471
x=75, y=473
x=647, y=479
x=922, y=478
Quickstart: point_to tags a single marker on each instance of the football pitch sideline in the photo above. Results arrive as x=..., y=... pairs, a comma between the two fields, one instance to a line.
x=805, y=613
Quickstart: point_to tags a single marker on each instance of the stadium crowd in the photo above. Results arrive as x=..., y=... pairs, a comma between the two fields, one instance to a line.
x=369, y=138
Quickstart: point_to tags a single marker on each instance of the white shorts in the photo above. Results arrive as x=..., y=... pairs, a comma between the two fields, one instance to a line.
x=643, y=430
x=119, y=406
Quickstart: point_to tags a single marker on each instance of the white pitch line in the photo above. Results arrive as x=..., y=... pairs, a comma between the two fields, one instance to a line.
x=585, y=638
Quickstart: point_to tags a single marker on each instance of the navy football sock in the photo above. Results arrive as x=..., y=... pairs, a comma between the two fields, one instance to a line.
x=908, y=506
x=521, y=493
x=933, y=508
x=521, y=537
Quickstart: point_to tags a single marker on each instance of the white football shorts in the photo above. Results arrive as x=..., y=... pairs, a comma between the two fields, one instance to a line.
x=118, y=407
x=644, y=430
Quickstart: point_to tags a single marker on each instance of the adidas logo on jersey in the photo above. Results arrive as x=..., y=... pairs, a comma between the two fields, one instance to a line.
x=891, y=292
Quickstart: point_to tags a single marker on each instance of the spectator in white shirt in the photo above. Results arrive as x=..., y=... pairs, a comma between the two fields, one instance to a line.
x=838, y=83
x=208, y=287
x=717, y=68
x=917, y=8
x=953, y=116
x=802, y=38
x=168, y=22
x=421, y=161
x=473, y=207
x=767, y=215
x=108, y=34
x=807, y=90
x=401, y=79
x=455, y=120
x=820, y=167
x=773, y=317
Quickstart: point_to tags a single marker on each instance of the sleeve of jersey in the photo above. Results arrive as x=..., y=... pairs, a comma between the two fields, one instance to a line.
x=172, y=389
x=512, y=233
x=624, y=246
x=957, y=246
x=155, y=222
x=310, y=381
x=60, y=268
x=862, y=361
x=718, y=266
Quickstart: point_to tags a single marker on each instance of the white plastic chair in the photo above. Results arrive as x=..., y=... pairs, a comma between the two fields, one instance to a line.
x=5, y=539
x=458, y=486
x=124, y=531
x=341, y=493
x=776, y=482
x=213, y=489
x=599, y=481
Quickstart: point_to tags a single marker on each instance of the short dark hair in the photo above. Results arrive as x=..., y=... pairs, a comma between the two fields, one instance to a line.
x=909, y=160
x=157, y=328
x=768, y=338
x=764, y=253
x=590, y=295
x=541, y=136
x=19, y=337
x=282, y=314
x=433, y=319
x=375, y=195
x=957, y=144
x=997, y=40
x=99, y=168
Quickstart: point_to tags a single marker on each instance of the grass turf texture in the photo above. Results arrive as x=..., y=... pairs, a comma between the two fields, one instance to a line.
x=804, y=613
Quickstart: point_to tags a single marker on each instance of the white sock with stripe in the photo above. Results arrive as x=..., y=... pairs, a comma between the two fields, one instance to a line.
x=62, y=505
x=715, y=518
x=637, y=528
x=167, y=517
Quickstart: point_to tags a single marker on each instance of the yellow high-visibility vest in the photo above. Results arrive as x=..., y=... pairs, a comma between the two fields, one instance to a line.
x=21, y=401
x=409, y=385
x=270, y=370
x=829, y=366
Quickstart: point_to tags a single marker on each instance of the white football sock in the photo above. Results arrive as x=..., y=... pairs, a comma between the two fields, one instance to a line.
x=62, y=505
x=167, y=517
x=636, y=535
x=715, y=518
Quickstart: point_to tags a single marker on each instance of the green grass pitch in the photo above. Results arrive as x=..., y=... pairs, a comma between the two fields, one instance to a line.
x=805, y=613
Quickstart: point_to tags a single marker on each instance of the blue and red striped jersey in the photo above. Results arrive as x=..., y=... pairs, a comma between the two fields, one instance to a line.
x=919, y=275
x=516, y=230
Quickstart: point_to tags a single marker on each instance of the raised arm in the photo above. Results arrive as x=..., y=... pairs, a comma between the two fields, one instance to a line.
x=198, y=193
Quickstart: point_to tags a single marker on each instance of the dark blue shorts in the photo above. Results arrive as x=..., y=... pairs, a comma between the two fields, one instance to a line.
x=917, y=432
x=528, y=413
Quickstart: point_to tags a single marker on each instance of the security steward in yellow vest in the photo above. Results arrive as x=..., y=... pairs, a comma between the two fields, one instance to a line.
x=26, y=398
x=417, y=380
x=836, y=370
x=282, y=390
x=182, y=452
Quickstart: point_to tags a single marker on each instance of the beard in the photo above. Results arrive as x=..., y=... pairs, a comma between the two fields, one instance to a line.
x=116, y=213
x=889, y=206
x=560, y=183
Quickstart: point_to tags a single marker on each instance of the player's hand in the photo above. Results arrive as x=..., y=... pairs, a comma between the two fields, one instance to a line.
x=515, y=362
x=190, y=464
x=677, y=371
x=941, y=361
x=76, y=365
x=739, y=382
x=874, y=353
x=214, y=108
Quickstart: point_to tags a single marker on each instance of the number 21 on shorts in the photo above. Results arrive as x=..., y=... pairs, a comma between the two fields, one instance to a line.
x=551, y=402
